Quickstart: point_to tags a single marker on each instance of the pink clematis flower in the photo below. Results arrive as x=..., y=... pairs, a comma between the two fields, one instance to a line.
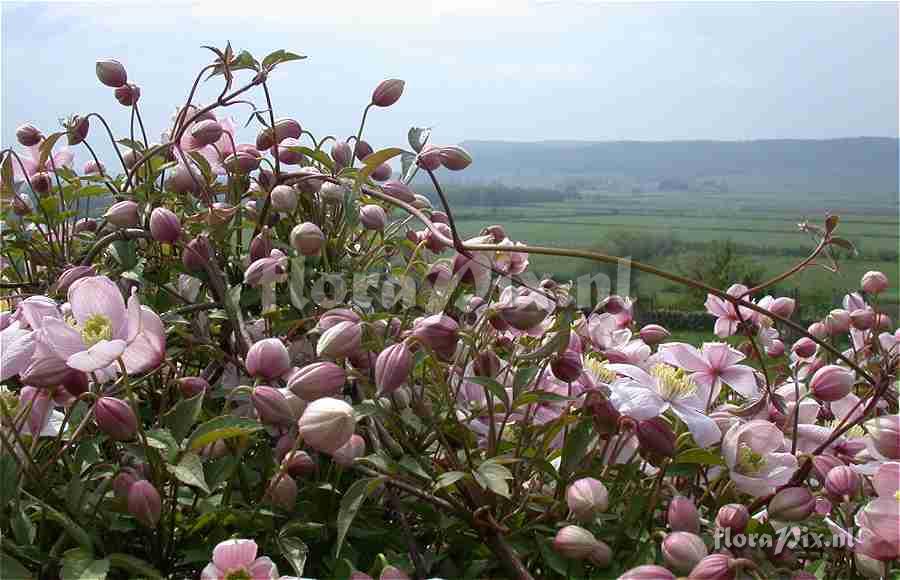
x=726, y=313
x=62, y=158
x=751, y=452
x=879, y=520
x=604, y=332
x=102, y=332
x=236, y=560
x=717, y=361
x=644, y=395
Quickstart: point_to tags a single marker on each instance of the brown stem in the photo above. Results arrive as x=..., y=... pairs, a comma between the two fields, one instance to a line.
x=118, y=235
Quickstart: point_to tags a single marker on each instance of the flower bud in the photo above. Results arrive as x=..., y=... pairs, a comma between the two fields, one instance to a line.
x=350, y=451
x=832, y=383
x=271, y=406
x=656, y=437
x=792, y=504
x=824, y=463
x=41, y=183
x=862, y=318
x=387, y=92
x=869, y=567
x=192, y=386
x=340, y=340
x=307, y=238
x=144, y=503
x=317, y=380
x=804, y=347
x=93, y=167
x=885, y=434
x=362, y=150
x=874, y=282
x=837, y=322
x=123, y=481
x=242, y=162
x=184, y=180
x=455, y=158
x=566, y=366
x=372, y=217
x=206, y=132
x=261, y=246
x=734, y=517
x=574, y=542
x=842, y=481
x=438, y=332
x=123, y=214
x=268, y=359
x=387, y=573
x=399, y=190
x=27, y=135
x=327, y=424
x=115, y=418
x=486, y=364
x=336, y=316
x=284, y=198
x=601, y=556
x=299, y=464
x=85, y=225
x=382, y=172
x=164, y=225
x=289, y=154
x=683, y=551
x=111, y=73
x=818, y=329
x=654, y=334
x=127, y=94
x=342, y=154
x=775, y=349
x=605, y=416
x=77, y=129
x=70, y=275
x=586, y=498
x=714, y=567
x=783, y=306
x=523, y=312
x=647, y=572
x=682, y=515
x=429, y=158
x=282, y=491
x=196, y=254
x=392, y=368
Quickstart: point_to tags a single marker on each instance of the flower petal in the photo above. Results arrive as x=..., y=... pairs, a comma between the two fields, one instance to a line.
x=148, y=349
x=683, y=356
x=742, y=379
x=887, y=479
x=99, y=356
x=704, y=429
x=62, y=339
x=636, y=401
x=263, y=569
x=98, y=295
x=16, y=350
x=234, y=554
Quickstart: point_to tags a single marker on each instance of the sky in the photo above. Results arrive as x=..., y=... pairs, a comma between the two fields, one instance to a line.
x=478, y=69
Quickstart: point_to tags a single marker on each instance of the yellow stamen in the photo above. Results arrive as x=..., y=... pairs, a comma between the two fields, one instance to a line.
x=95, y=329
x=601, y=372
x=673, y=383
x=749, y=462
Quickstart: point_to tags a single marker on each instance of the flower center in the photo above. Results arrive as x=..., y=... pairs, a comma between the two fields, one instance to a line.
x=239, y=574
x=749, y=462
x=95, y=329
x=897, y=495
x=601, y=372
x=673, y=383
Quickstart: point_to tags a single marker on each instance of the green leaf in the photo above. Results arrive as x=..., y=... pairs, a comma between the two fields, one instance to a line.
x=9, y=471
x=448, y=478
x=699, y=456
x=23, y=528
x=47, y=146
x=190, y=471
x=79, y=564
x=77, y=533
x=492, y=475
x=418, y=137
x=523, y=377
x=7, y=185
x=495, y=388
x=278, y=57
x=224, y=427
x=350, y=504
x=295, y=551
x=183, y=416
x=164, y=441
x=577, y=442
x=137, y=567
x=13, y=569
x=373, y=161
x=315, y=154
x=131, y=144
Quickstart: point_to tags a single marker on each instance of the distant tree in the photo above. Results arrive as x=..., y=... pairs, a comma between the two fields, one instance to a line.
x=720, y=266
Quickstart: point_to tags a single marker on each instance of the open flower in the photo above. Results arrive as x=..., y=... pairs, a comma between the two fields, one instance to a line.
x=62, y=158
x=716, y=362
x=646, y=395
x=236, y=560
x=751, y=451
x=728, y=316
x=879, y=520
x=101, y=330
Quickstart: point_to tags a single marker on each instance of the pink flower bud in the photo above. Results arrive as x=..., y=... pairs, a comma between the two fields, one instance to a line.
x=127, y=94
x=372, y=217
x=783, y=306
x=206, y=132
x=734, y=517
x=40, y=404
x=837, y=322
x=196, y=254
x=399, y=190
x=605, y=416
x=307, y=238
x=390, y=573
x=271, y=406
x=184, y=180
x=656, y=437
x=85, y=225
x=382, y=172
x=421, y=202
x=832, y=383
x=883, y=321
x=93, y=167
x=327, y=424
x=131, y=158
x=824, y=463
x=438, y=332
x=242, y=162
x=123, y=482
x=27, y=135
x=123, y=214
x=362, y=150
x=683, y=551
x=350, y=451
x=575, y=542
x=586, y=498
x=714, y=567
x=111, y=73
x=284, y=198
x=115, y=418
x=804, y=347
x=317, y=380
x=818, y=329
x=524, y=311
x=192, y=386
x=566, y=366
x=601, y=556
x=429, y=158
x=792, y=504
x=874, y=282
x=268, y=359
x=336, y=316
x=387, y=92
x=885, y=434
x=340, y=340
x=77, y=129
x=486, y=364
x=647, y=572
x=455, y=158
x=392, y=368
x=164, y=225
x=299, y=464
x=682, y=515
x=282, y=491
x=261, y=246
x=342, y=154
x=654, y=334
x=288, y=154
x=70, y=275
x=41, y=183
x=842, y=481
x=862, y=318
x=144, y=503
x=775, y=349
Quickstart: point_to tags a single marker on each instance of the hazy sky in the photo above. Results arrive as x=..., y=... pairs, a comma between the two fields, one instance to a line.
x=477, y=69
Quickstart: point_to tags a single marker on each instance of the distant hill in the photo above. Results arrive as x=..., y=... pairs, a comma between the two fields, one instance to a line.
x=854, y=165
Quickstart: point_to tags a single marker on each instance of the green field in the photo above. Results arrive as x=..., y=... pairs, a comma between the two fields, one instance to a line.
x=764, y=226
